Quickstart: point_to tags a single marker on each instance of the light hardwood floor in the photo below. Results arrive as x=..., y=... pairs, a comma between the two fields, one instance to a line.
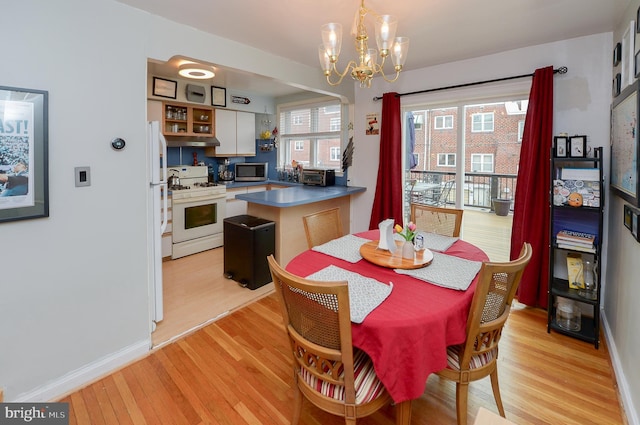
x=237, y=370
x=196, y=293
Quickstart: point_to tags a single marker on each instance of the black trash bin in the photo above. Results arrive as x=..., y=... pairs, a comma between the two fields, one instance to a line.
x=248, y=241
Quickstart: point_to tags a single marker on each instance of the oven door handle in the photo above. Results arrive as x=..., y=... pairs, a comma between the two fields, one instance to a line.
x=199, y=199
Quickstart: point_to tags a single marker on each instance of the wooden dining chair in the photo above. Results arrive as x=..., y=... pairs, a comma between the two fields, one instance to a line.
x=323, y=226
x=327, y=369
x=477, y=357
x=443, y=221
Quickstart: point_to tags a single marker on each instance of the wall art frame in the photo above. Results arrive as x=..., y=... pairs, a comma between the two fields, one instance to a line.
x=165, y=88
x=617, y=54
x=560, y=144
x=577, y=147
x=625, y=152
x=628, y=54
x=24, y=154
x=218, y=96
x=617, y=82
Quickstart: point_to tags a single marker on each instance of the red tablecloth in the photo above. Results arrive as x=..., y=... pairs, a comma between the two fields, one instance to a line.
x=407, y=335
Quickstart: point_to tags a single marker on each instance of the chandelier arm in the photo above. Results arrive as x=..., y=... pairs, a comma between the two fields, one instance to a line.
x=350, y=66
x=379, y=69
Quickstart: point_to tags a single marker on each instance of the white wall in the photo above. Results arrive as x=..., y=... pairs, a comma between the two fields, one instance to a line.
x=622, y=296
x=582, y=99
x=74, y=287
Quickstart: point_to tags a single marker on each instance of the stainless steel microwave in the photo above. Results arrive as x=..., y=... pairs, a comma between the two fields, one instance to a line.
x=251, y=171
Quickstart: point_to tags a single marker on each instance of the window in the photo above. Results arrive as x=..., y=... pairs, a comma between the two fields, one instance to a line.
x=443, y=122
x=481, y=163
x=482, y=122
x=446, y=159
x=310, y=134
x=520, y=130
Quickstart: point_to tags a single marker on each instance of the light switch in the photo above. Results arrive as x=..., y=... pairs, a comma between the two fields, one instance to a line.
x=83, y=176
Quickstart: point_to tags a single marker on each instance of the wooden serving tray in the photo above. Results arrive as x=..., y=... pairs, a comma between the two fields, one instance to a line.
x=384, y=258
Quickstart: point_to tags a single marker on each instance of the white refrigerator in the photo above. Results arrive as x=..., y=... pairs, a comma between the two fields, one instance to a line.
x=158, y=187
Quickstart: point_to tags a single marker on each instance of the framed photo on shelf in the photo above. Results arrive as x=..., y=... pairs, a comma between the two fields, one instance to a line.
x=165, y=88
x=560, y=144
x=628, y=216
x=24, y=163
x=218, y=96
x=577, y=146
x=625, y=154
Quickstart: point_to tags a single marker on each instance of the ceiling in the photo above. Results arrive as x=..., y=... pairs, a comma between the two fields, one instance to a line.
x=440, y=31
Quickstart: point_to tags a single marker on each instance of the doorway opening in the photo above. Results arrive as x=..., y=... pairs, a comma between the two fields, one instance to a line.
x=466, y=155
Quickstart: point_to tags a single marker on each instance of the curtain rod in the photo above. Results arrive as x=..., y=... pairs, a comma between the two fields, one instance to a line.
x=561, y=70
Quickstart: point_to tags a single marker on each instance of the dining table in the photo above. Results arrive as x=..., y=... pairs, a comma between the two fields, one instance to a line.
x=407, y=333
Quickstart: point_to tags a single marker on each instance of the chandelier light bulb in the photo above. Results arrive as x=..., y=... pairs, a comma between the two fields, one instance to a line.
x=366, y=66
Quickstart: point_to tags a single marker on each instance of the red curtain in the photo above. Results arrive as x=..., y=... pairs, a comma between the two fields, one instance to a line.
x=388, y=198
x=531, y=209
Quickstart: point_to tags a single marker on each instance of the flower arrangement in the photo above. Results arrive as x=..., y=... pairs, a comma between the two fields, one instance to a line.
x=408, y=233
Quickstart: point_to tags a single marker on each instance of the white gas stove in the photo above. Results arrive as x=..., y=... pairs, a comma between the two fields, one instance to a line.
x=198, y=210
x=194, y=182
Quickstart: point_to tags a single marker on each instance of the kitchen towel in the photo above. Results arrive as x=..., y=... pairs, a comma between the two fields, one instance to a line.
x=446, y=271
x=345, y=248
x=365, y=294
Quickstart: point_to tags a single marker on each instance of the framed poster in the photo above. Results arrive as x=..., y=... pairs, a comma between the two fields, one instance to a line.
x=218, y=96
x=24, y=169
x=624, y=145
x=165, y=88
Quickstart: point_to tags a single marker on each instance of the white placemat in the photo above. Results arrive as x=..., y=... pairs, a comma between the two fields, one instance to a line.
x=447, y=271
x=345, y=248
x=365, y=294
x=434, y=241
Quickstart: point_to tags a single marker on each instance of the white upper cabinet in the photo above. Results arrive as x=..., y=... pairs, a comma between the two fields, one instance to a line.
x=235, y=130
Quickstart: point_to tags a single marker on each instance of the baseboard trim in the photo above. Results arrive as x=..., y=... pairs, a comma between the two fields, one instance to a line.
x=82, y=377
x=629, y=409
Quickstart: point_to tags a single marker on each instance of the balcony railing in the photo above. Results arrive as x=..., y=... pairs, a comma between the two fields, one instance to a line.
x=479, y=188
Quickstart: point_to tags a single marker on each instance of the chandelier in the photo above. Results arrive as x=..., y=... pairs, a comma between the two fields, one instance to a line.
x=364, y=69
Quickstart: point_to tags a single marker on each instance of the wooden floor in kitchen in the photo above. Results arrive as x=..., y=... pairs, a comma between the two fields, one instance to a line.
x=196, y=293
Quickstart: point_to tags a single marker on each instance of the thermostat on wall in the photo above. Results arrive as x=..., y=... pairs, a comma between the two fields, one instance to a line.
x=118, y=143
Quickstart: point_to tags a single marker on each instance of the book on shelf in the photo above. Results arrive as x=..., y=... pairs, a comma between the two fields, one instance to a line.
x=574, y=271
x=589, y=174
x=575, y=243
x=591, y=250
x=575, y=237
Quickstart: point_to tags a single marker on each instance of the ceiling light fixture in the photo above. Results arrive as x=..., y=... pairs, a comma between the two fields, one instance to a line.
x=195, y=71
x=364, y=69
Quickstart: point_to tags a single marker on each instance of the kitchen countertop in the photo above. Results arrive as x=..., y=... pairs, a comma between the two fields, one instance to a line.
x=235, y=185
x=297, y=194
